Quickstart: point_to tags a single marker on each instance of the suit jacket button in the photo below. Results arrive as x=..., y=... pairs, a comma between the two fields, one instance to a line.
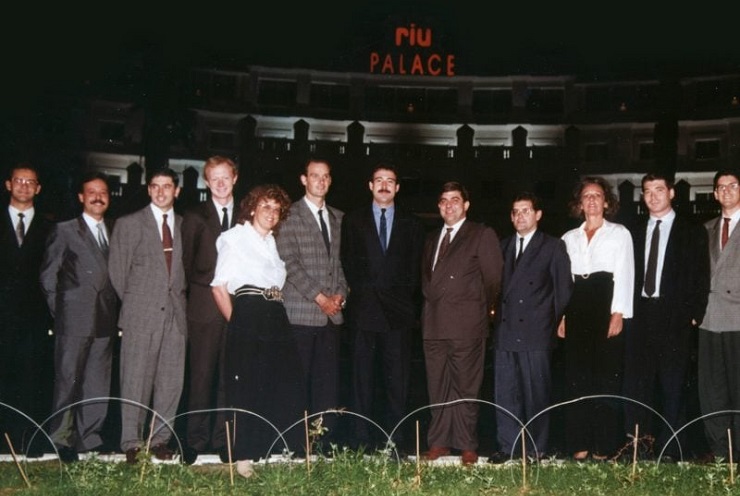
x=162, y=309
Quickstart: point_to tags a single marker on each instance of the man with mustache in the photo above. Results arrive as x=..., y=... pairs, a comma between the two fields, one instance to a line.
x=381, y=253
x=81, y=298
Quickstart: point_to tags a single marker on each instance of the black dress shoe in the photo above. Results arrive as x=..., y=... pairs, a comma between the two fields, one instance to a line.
x=67, y=454
x=223, y=454
x=132, y=455
x=162, y=452
x=498, y=457
x=189, y=455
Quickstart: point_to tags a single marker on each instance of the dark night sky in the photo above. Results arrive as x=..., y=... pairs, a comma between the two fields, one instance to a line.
x=604, y=40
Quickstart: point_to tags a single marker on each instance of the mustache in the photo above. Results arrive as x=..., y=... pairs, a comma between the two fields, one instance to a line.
x=384, y=191
x=98, y=202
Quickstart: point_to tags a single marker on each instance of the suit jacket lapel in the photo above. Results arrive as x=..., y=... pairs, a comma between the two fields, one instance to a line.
x=213, y=218
x=92, y=244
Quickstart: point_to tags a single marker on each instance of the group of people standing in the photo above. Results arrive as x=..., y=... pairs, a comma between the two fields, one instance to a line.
x=242, y=307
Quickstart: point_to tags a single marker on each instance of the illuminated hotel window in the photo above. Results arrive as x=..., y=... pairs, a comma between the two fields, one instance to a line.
x=707, y=149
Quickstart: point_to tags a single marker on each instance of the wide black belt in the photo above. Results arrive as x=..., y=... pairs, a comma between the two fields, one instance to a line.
x=270, y=294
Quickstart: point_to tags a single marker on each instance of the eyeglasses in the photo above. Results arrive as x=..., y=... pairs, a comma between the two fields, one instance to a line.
x=727, y=187
x=522, y=211
x=22, y=181
x=269, y=208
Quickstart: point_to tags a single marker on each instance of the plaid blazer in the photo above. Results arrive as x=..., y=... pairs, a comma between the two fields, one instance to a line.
x=310, y=270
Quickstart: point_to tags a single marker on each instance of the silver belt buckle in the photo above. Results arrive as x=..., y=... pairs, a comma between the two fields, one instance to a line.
x=272, y=294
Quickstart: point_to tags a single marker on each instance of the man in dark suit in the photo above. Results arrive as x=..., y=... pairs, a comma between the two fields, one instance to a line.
x=81, y=298
x=25, y=345
x=461, y=277
x=201, y=226
x=381, y=253
x=670, y=300
x=309, y=242
x=145, y=265
x=536, y=286
x=719, y=333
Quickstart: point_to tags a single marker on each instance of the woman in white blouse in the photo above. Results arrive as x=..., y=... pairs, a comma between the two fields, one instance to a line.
x=260, y=357
x=602, y=264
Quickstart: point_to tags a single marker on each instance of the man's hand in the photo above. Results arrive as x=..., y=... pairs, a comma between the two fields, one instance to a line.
x=330, y=305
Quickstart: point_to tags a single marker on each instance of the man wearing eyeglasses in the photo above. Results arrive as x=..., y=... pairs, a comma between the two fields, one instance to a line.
x=25, y=345
x=536, y=287
x=461, y=277
x=719, y=334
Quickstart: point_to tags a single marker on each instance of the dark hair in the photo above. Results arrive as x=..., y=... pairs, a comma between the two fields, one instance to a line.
x=23, y=166
x=612, y=202
x=91, y=176
x=725, y=172
x=260, y=193
x=384, y=166
x=657, y=176
x=454, y=186
x=314, y=160
x=166, y=172
x=219, y=160
x=530, y=197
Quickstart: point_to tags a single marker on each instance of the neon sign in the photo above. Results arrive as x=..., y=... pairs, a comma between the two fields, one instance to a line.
x=413, y=55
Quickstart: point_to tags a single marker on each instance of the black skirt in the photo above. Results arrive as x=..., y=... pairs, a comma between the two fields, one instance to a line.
x=263, y=377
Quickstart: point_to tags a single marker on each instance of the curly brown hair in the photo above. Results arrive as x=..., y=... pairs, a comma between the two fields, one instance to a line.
x=612, y=202
x=261, y=193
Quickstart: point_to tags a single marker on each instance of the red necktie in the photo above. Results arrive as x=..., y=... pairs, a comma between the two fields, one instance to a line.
x=725, y=232
x=167, y=242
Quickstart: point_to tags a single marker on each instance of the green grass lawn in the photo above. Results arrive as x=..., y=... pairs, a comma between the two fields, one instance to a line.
x=349, y=473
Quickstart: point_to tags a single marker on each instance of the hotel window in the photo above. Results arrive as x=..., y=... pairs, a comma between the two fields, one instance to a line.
x=443, y=101
x=330, y=96
x=224, y=87
x=491, y=101
x=277, y=93
x=646, y=151
x=221, y=140
x=545, y=101
x=707, y=149
x=596, y=152
x=112, y=132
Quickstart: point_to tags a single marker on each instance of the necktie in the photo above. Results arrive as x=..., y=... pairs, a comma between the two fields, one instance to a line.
x=20, y=229
x=725, y=231
x=521, y=249
x=383, y=231
x=167, y=242
x=225, y=220
x=324, y=233
x=444, y=245
x=652, y=264
x=102, y=242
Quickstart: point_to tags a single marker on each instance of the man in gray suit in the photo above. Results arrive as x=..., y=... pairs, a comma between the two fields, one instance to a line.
x=719, y=334
x=81, y=298
x=460, y=278
x=315, y=289
x=146, y=269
